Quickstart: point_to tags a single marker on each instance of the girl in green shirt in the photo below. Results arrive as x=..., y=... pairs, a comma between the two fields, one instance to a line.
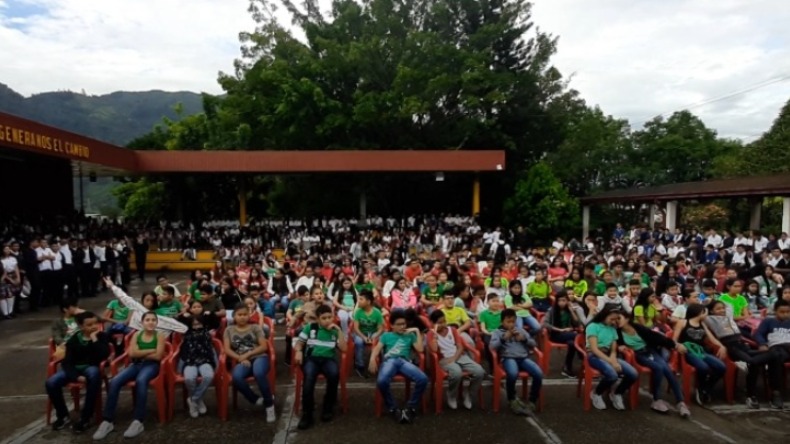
x=539, y=291
x=576, y=283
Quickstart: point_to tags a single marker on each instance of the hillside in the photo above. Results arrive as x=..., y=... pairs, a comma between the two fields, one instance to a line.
x=116, y=118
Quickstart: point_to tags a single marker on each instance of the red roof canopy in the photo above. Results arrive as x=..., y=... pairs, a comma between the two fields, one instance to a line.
x=27, y=135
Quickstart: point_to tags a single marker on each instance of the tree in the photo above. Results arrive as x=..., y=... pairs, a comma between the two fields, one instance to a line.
x=678, y=149
x=542, y=205
x=142, y=200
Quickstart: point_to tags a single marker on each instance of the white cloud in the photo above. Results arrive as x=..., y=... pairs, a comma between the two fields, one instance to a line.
x=634, y=58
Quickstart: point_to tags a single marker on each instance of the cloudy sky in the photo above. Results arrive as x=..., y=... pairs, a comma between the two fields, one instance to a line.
x=729, y=60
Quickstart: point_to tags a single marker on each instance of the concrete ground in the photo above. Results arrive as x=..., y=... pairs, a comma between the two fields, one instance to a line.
x=23, y=356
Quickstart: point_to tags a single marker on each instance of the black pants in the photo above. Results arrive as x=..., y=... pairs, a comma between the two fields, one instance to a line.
x=311, y=368
x=139, y=260
x=46, y=296
x=71, y=280
x=87, y=282
x=54, y=287
x=35, y=291
x=757, y=360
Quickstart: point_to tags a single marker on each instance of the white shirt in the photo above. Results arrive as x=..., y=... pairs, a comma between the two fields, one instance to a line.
x=9, y=264
x=738, y=258
x=57, y=263
x=784, y=244
x=87, y=258
x=306, y=281
x=44, y=265
x=715, y=240
x=67, y=259
x=447, y=343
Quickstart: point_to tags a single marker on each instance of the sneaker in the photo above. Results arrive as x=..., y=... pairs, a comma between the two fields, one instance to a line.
x=742, y=366
x=305, y=422
x=753, y=403
x=411, y=414
x=193, y=408
x=568, y=373
x=135, y=428
x=683, y=409
x=517, y=407
x=699, y=397
x=396, y=414
x=271, y=415
x=104, y=429
x=659, y=406
x=327, y=415
x=360, y=372
x=452, y=400
x=597, y=401
x=467, y=399
x=80, y=426
x=202, y=409
x=617, y=401
x=60, y=423
x=259, y=402
x=776, y=400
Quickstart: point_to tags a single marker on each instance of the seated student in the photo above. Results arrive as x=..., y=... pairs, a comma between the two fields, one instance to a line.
x=197, y=357
x=210, y=301
x=738, y=306
x=168, y=304
x=119, y=315
x=679, y=313
x=146, y=349
x=773, y=335
x=517, y=300
x=65, y=326
x=647, y=310
x=294, y=317
x=456, y=316
x=431, y=298
x=397, y=345
x=783, y=293
x=85, y=350
x=403, y=296
x=562, y=322
x=632, y=292
x=316, y=353
x=601, y=334
x=246, y=343
x=489, y=320
x=648, y=347
x=368, y=325
x=539, y=291
x=587, y=308
x=613, y=299
x=692, y=333
x=751, y=361
x=455, y=360
x=708, y=293
x=514, y=345
x=345, y=302
x=256, y=315
x=671, y=299
x=163, y=284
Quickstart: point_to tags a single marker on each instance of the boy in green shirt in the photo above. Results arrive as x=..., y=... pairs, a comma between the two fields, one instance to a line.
x=431, y=295
x=368, y=325
x=397, y=346
x=168, y=305
x=316, y=352
x=489, y=320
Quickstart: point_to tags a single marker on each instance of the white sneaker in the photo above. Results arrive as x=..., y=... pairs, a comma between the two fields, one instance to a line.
x=193, y=408
x=201, y=407
x=467, y=399
x=597, y=401
x=135, y=428
x=742, y=366
x=104, y=429
x=617, y=401
x=271, y=415
x=259, y=402
x=452, y=400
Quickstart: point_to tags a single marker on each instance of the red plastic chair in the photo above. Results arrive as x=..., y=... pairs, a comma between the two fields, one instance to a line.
x=688, y=373
x=547, y=346
x=299, y=375
x=75, y=388
x=157, y=383
x=499, y=376
x=174, y=378
x=587, y=374
x=439, y=374
x=379, y=400
x=272, y=378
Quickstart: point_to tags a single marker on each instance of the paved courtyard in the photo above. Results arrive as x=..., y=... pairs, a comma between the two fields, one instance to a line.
x=23, y=356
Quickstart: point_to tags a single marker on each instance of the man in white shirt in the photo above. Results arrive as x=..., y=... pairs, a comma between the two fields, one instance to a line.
x=714, y=239
x=775, y=257
x=307, y=279
x=784, y=242
x=760, y=242
x=738, y=256
x=45, y=256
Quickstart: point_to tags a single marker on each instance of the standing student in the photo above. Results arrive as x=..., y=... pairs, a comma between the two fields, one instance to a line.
x=601, y=336
x=692, y=333
x=147, y=350
x=10, y=282
x=397, y=346
x=197, y=355
x=649, y=348
x=247, y=344
x=85, y=351
x=562, y=322
x=514, y=346
x=316, y=353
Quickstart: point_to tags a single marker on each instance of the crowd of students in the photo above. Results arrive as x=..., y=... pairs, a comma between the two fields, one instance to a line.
x=634, y=304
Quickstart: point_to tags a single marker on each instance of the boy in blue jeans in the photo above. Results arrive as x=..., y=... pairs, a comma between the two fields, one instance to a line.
x=513, y=344
x=397, y=346
x=85, y=351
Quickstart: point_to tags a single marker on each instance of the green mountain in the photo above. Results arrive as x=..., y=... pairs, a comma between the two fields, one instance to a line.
x=115, y=118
